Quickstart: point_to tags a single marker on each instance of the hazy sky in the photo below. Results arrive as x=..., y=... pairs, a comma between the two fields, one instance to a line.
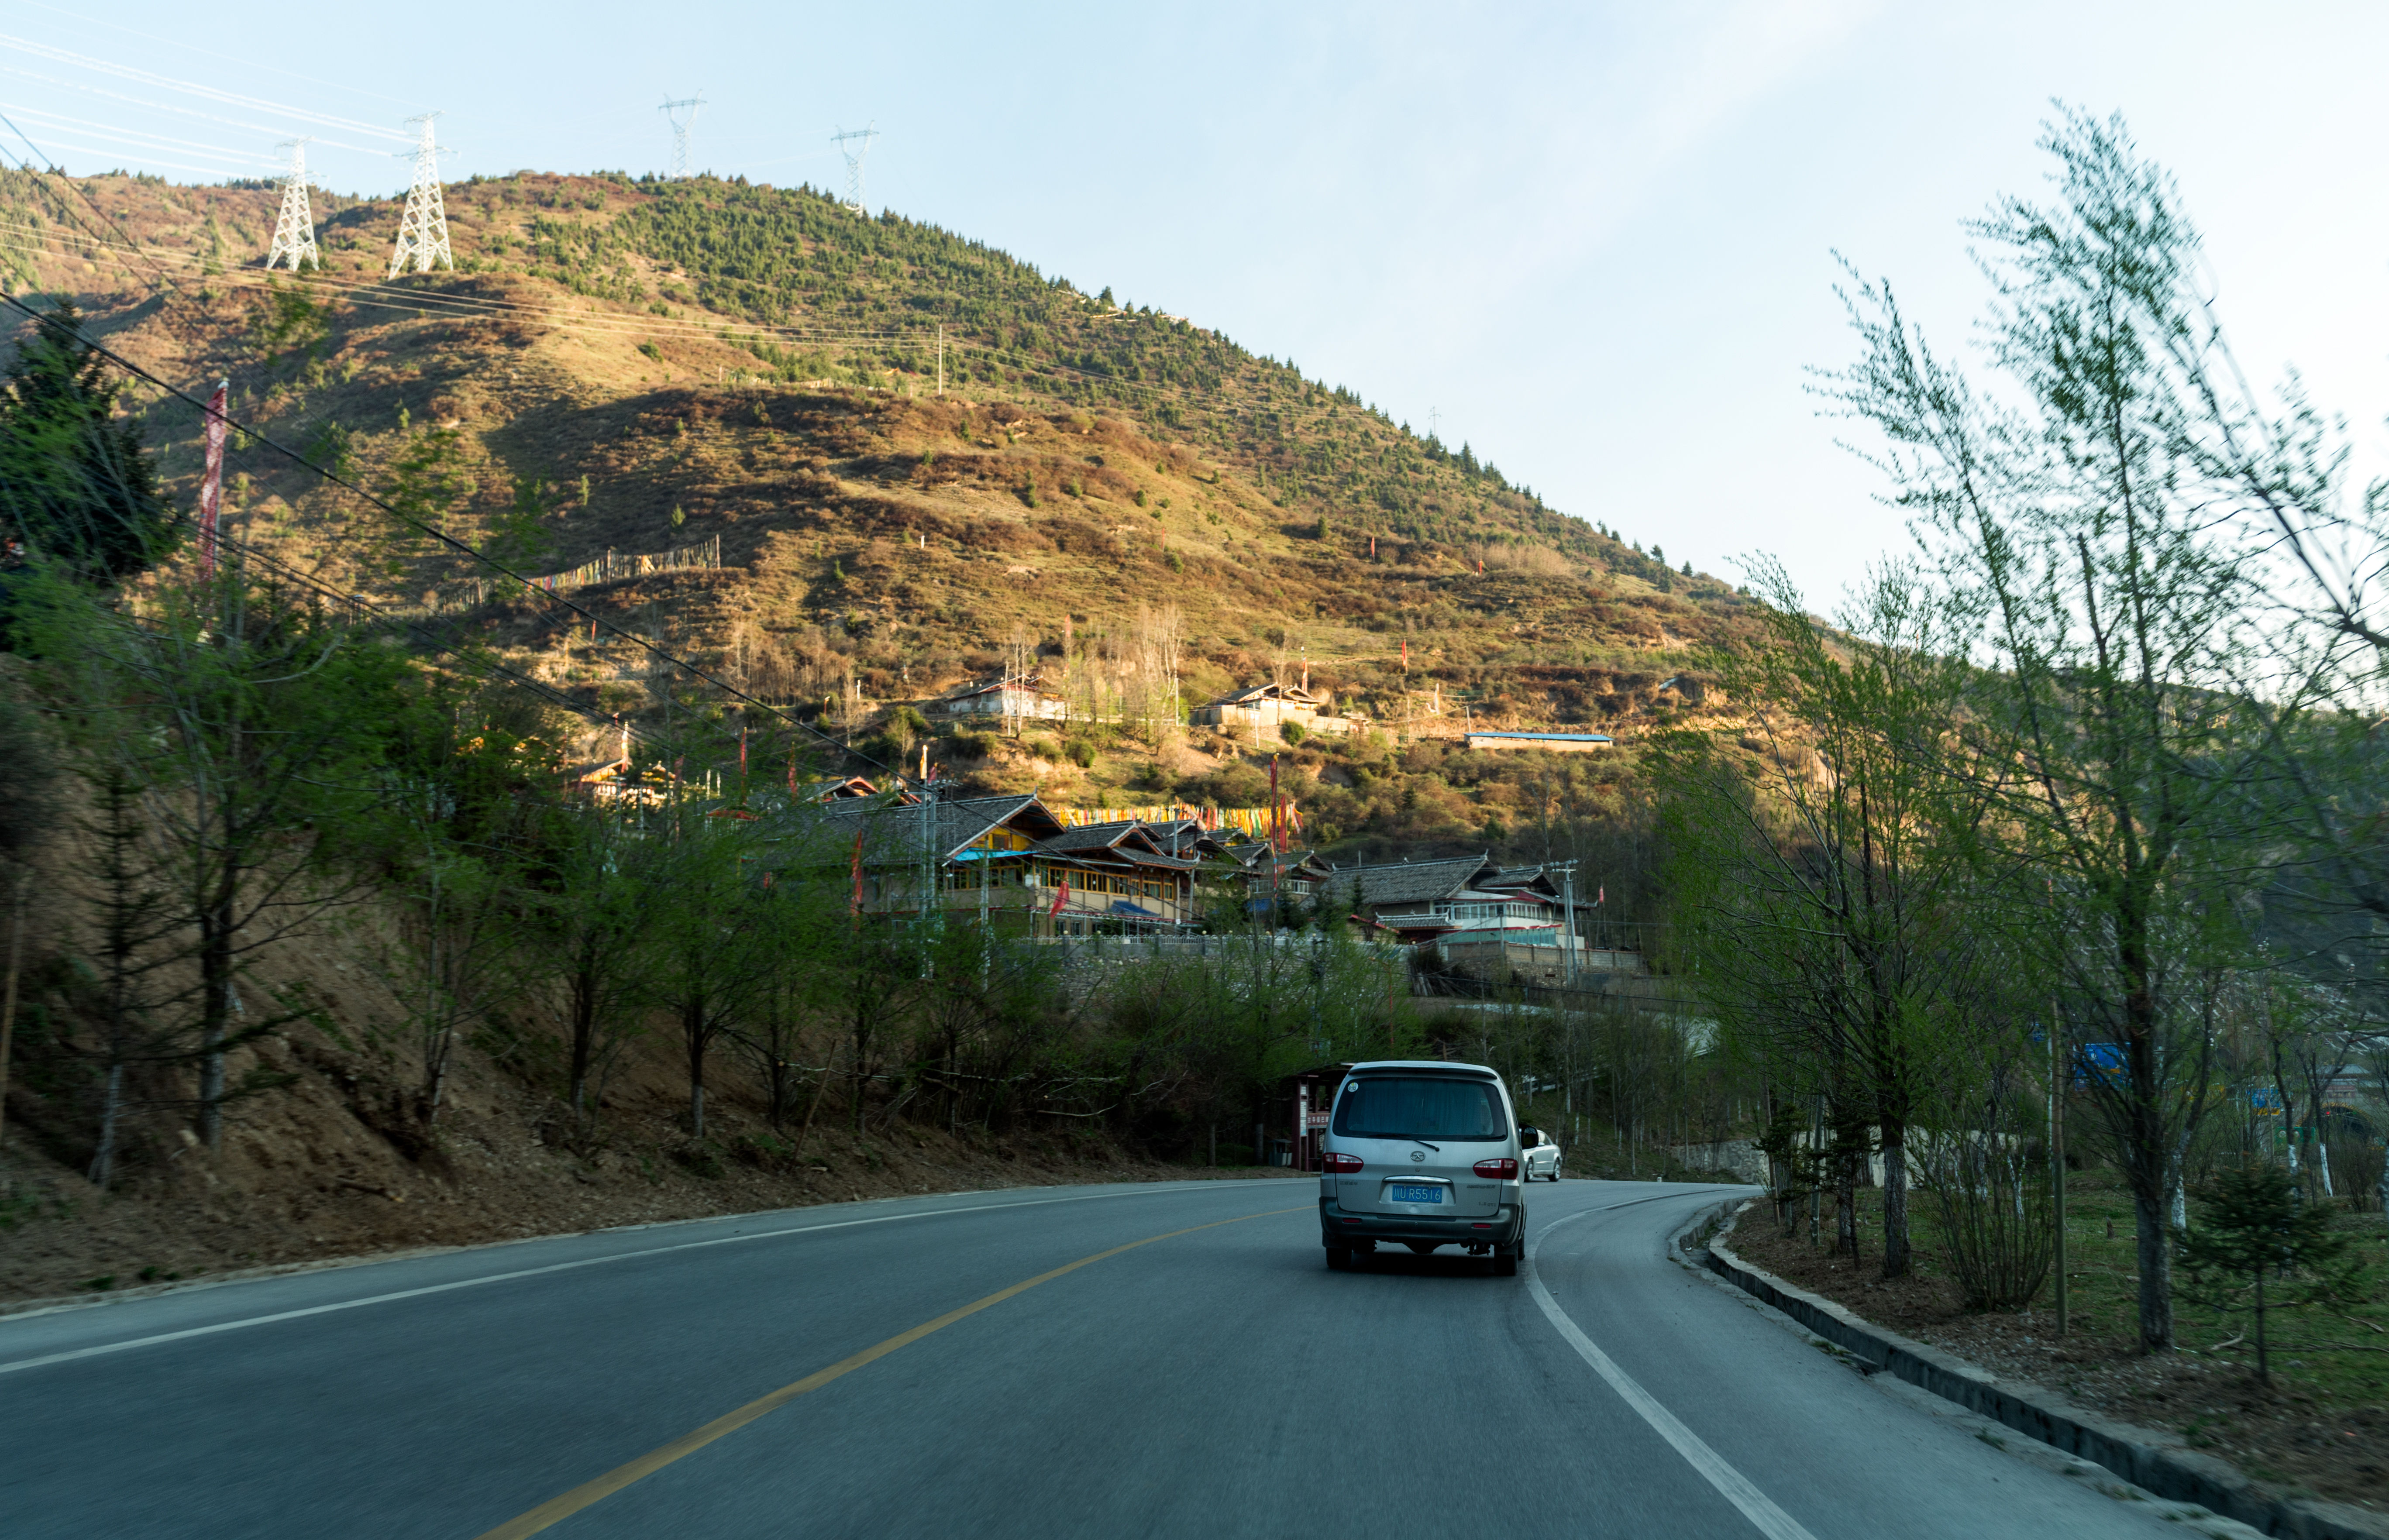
x=1595, y=241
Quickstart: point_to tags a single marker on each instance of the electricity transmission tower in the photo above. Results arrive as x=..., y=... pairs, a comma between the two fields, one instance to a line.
x=294, y=228
x=423, y=229
x=680, y=127
x=861, y=137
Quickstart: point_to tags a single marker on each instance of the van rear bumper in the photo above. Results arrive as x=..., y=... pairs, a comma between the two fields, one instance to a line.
x=1339, y=1227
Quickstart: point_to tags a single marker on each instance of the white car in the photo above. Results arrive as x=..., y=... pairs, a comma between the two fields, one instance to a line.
x=1538, y=1155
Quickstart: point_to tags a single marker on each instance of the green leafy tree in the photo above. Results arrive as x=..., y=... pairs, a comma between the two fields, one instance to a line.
x=593, y=931
x=706, y=960
x=2132, y=693
x=1826, y=916
x=2255, y=1233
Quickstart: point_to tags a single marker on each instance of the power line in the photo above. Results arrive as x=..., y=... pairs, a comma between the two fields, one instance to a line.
x=207, y=93
x=166, y=107
x=134, y=136
x=84, y=20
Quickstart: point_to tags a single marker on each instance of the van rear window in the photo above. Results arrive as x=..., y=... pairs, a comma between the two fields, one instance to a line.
x=1420, y=1106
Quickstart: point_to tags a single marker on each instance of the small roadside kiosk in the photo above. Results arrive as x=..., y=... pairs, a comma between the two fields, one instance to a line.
x=1298, y=1116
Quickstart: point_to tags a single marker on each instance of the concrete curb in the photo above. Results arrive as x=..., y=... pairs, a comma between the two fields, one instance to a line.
x=2140, y=1455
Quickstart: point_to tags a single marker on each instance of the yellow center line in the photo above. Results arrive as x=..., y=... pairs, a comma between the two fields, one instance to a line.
x=556, y=1510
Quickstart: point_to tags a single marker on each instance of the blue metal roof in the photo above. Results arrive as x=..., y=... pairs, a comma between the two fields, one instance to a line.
x=1564, y=737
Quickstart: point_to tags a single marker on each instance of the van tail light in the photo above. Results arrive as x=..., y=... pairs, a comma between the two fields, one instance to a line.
x=1334, y=1162
x=1504, y=1169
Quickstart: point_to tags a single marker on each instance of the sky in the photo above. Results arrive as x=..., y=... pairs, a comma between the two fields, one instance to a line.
x=1595, y=242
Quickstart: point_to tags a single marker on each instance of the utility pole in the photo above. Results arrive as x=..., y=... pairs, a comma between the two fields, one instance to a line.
x=1567, y=959
x=294, y=227
x=423, y=229
x=2058, y=1063
x=680, y=127
x=861, y=137
x=942, y=358
x=928, y=855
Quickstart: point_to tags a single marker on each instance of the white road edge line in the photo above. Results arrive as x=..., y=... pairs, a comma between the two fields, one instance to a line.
x=1732, y=1484
x=241, y=1325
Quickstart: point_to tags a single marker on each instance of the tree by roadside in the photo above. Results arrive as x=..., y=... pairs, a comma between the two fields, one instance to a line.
x=1826, y=873
x=2130, y=696
x=2256, y=1230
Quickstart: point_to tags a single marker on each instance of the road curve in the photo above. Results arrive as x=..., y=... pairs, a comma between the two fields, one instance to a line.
x=1198, y=1372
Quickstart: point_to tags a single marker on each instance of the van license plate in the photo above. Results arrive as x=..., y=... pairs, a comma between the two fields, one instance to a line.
x=1417, y=1194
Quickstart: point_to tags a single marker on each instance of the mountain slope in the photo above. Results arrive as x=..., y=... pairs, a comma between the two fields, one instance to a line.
x=641, y=366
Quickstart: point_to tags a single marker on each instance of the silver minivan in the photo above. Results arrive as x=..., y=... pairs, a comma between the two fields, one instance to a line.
x=1422, y=1153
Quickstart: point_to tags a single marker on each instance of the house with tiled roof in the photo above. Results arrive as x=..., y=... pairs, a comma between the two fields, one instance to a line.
x=1462, y=899
x=1008, y=858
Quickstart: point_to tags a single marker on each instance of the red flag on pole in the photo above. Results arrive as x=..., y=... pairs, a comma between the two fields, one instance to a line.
x=1277, y=829
x=1059, y=900
x=211, y=482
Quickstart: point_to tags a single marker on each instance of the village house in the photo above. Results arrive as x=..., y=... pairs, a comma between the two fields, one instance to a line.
x=1010, y=698
x=1269, y=707
x=1284, y=880
x=1007, y=858
x=1466, y=898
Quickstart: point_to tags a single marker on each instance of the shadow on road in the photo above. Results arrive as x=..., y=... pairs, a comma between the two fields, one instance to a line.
x=1403, y=1263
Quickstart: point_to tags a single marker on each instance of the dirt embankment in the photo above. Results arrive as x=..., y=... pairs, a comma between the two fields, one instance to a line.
x=301, y=1178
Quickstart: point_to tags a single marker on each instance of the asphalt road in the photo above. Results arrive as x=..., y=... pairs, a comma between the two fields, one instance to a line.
x=1217, y=1381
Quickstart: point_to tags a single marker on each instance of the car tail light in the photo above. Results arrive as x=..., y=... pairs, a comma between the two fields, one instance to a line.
x=1505, y=1169
x=1334, y=1162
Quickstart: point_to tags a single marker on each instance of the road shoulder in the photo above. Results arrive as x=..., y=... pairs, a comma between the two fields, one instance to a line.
x=2158, y=1465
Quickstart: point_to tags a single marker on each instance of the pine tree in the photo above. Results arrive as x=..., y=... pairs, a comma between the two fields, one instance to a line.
x=75, y=486
x=2256, y=1228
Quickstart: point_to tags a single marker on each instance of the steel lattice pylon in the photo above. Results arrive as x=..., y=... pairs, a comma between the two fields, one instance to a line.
x=680, y=127
x=854, y=162
x=294, y=228
x=423, y=229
